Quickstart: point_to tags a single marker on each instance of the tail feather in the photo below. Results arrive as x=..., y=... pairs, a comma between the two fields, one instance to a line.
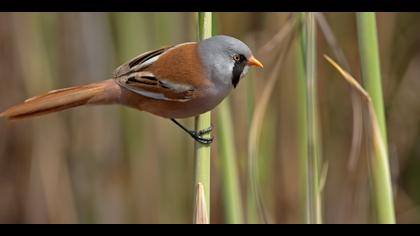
x=57, y=100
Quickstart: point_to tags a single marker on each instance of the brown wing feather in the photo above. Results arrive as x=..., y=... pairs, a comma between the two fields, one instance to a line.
x=181, y=65
x=171, y=77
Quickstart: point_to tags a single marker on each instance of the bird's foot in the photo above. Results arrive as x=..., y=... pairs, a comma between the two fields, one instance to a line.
x=198, y=135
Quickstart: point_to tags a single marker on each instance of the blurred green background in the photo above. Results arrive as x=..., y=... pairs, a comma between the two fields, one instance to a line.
x=110, y=164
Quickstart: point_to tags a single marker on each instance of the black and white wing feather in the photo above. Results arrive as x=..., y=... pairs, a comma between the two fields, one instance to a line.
x=135, y=77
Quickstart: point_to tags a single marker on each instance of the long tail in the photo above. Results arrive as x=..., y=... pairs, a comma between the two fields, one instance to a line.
x=57, y=100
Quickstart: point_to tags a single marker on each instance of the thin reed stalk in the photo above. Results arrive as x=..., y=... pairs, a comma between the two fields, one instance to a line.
x=371, y=73
x=230, y=179
x=302, y=135
x=251, y=206
x=202, y=152
x=310, y=168
x=231, y=189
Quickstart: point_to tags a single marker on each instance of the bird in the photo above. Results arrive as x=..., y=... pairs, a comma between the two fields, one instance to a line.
x=173, y=82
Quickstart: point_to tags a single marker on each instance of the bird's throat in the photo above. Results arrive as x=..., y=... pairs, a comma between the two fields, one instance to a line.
x=237, y=73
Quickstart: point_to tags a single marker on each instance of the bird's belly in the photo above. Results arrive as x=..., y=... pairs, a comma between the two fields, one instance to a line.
x=207, y=100
x=181, y=109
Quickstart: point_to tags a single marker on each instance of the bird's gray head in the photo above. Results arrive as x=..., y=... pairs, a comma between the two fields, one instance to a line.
x=226, y=59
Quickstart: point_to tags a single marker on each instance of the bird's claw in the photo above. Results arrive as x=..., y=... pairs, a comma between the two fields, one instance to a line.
x=197, y=135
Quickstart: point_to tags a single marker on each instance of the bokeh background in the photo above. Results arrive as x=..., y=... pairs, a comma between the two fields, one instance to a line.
x=113, y=164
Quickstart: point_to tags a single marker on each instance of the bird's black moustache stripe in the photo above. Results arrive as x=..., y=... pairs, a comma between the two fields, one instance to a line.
x=238, y=68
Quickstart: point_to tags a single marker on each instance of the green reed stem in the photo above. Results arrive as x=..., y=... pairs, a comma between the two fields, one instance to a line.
x=231, y=190
x=202, y=152
x=302, y=133
x=371, y=72
x=313, y=196
x=229, y=169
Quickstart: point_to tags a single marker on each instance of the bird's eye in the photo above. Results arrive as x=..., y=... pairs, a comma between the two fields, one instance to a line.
x=236, y=57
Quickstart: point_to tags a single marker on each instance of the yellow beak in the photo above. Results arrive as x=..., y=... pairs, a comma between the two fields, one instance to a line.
x=252, y=61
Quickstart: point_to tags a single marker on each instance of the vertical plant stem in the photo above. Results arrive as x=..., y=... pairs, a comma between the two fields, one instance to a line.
x=313, y=191
x=230, y=179
x=251, y=201
x=302, y=130
x=371, y=72
x=202, y=152
x=231, y=190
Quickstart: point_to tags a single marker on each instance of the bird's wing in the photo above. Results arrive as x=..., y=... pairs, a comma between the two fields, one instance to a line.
x=135, y=77
x=148, y=85
x=140, y=62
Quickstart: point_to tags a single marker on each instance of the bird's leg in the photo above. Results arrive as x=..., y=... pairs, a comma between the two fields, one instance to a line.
x=196, y=134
